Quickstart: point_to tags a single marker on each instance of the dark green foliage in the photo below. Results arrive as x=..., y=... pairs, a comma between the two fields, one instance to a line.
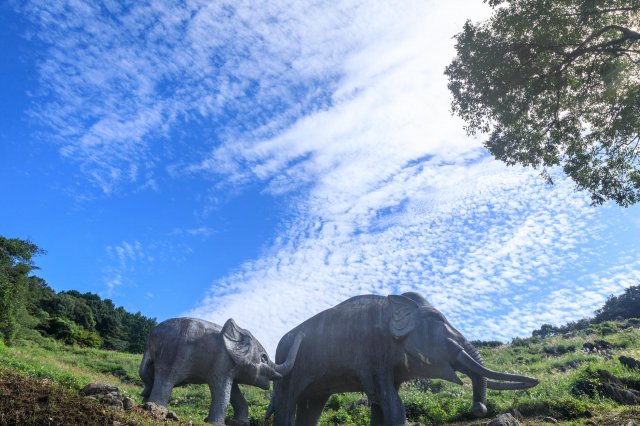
x=557, y=350
x=626, y=305
x=15, y=265
x=481, y=344
x=70, y=332
x=27, y=303
x=556, y=83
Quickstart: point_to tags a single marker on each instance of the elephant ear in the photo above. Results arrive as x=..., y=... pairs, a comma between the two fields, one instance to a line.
x=238, y=341
x=403, y=318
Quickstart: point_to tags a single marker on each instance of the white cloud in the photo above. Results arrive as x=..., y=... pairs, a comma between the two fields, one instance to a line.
x=341, y=110
x=122, y=260
x=395, y=198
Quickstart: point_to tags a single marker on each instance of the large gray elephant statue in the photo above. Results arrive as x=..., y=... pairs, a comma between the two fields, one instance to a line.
x=372, y=344
x=184, y=351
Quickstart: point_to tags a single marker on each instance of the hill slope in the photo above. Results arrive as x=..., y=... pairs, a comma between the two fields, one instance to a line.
x=569, y=366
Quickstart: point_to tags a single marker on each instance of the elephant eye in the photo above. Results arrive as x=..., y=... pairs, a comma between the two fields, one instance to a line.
x=264, y=358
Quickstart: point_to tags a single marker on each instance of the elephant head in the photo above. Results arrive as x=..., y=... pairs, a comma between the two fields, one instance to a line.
x=246, y=352
x=439, y=350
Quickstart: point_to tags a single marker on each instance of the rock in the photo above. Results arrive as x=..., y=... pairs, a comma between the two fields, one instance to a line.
x=571, y=365
x=549, y=419
x=172, y=415
x=156, y=410
x=612, y=387
x=629, y=362
x=100, y=388
x=506, y=419
x=358, y=403
x=516, y=414
x=112, y=400
x=631, y=423
x=597, y=346
x=128, y=403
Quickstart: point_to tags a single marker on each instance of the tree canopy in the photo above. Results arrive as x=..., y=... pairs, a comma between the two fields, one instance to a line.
x=16, y=262
x=556, y=83
x=623, y=306
x=30, y=308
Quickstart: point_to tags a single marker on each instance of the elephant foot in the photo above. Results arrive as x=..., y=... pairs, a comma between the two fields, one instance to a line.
x=479, y=409
x=229, y=422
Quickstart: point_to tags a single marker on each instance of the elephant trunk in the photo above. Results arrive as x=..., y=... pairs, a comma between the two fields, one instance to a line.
x=285, y=368
x=271, y=372
x=479, y=383
x=470, y=361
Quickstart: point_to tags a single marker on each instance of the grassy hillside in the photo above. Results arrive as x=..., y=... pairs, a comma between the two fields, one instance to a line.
x=570, y=388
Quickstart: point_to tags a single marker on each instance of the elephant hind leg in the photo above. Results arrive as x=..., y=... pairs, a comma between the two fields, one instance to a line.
x=146, y=374
x=309, y=410
x=160, y=391
x=377, y=418
x=146, y=392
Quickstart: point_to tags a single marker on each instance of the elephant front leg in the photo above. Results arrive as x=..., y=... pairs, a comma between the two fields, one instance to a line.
x=386, y=406
x=240, y=406
x=220, y=388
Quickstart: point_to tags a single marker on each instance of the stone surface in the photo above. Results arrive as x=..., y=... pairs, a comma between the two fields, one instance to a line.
x=128, y=403
x=629, y=362
x=358, y=403
x=506, y=419
x=156, y=410
x=614, y=388
x=515, y=413
x=571, y=365
x=100, y=388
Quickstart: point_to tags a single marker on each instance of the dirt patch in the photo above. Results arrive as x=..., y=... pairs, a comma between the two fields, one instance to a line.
x=28, y=401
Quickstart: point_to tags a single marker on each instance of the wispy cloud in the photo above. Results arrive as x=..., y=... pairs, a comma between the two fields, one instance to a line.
x=122, y=260
x=339, y=109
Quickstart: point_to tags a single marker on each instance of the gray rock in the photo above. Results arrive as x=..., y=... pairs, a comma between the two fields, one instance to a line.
x=156, y=410
x=128, y=403
x=614, y=388
x=100, y=388
x=112, y=400
x=504, y=420
x=358, y=403
x=517, y=414
x=629, y=362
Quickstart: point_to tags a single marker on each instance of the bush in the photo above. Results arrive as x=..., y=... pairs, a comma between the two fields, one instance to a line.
x=627, y=305
x=558, y=350
x=70, y=333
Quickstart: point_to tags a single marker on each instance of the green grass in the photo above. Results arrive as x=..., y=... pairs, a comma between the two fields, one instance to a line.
x=429, y=402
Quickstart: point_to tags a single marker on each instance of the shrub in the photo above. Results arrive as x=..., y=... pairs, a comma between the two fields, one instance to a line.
x=70, y=333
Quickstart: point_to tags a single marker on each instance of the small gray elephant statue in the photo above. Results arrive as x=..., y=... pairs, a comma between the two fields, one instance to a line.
x=373, y=344
x=184, y=351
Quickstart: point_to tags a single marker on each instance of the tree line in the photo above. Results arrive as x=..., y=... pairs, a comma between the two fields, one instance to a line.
x=30, y=308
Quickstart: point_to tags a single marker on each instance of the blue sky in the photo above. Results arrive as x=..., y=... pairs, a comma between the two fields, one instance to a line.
x=221, y=159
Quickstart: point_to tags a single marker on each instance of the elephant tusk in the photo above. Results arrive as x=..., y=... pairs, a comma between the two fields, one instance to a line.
x=509, y=385
x=467, y=361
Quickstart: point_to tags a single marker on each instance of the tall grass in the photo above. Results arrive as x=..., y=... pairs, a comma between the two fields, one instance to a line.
x=559, y=362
